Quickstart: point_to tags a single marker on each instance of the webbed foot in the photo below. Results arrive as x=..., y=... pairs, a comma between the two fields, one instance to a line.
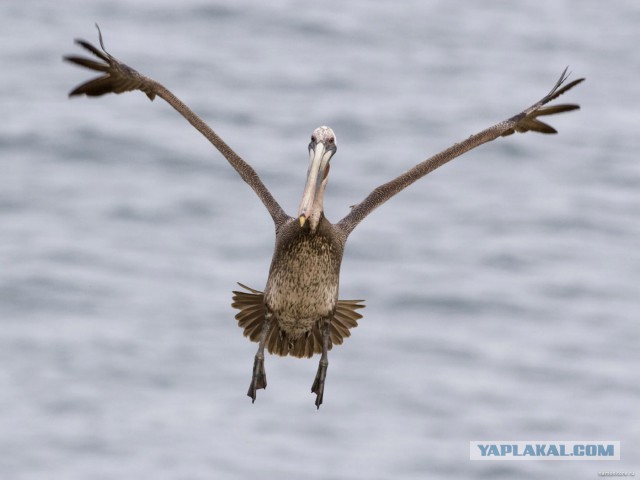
x=318, y=383
x=259, y=378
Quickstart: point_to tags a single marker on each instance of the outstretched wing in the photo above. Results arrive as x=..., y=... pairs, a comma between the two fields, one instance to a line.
x=118, y=78
x=525, y=121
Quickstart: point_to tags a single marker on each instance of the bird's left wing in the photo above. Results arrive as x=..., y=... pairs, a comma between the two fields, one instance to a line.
x=525, y=121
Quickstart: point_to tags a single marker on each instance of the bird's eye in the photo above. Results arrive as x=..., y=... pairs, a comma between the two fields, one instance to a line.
x=331, y=140
x=313, y=138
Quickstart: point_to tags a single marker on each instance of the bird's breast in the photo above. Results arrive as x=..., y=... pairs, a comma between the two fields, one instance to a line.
x=302, y=288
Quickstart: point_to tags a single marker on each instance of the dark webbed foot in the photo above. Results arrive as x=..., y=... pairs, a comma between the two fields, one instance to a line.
x=321, y=375
x=259, y=378
x=318, y=383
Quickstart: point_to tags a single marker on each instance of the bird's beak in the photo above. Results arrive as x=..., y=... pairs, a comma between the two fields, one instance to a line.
x=318, y=171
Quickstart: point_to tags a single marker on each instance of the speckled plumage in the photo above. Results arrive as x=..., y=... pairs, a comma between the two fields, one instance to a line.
x=302, y=288
x=301, y=293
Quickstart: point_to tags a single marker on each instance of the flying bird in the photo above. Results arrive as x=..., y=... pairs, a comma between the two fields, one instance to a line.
x=299, y=312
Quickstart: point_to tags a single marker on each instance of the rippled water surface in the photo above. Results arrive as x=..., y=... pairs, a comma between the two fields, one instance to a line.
x=502, y=291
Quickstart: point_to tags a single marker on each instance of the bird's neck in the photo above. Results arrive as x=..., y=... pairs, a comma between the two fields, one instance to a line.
x=317, y=212
x=315, y=219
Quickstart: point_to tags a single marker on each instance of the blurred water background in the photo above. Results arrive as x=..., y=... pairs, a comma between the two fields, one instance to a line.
x=502, y=290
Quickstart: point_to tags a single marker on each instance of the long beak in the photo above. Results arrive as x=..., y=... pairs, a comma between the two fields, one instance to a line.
x=319, y=157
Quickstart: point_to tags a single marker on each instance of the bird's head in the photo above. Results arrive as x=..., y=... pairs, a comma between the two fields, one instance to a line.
x=321, y=148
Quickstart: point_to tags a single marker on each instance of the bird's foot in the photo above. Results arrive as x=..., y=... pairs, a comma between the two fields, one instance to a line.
x=259, y=378
x=318, y=383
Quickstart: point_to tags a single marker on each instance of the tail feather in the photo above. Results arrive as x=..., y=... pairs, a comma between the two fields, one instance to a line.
x=251, y=319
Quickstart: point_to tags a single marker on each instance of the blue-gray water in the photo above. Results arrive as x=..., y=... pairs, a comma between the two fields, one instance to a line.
x=502, y=291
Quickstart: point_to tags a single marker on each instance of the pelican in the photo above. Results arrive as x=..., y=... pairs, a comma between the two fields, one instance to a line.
x=299, y=312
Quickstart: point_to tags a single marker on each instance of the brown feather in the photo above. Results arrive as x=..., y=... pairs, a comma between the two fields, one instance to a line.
x=251, y=319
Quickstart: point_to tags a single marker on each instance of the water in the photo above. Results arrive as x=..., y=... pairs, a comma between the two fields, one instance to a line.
x=502, y=290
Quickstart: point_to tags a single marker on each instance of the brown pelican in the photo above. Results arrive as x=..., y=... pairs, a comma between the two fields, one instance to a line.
x=299, y=312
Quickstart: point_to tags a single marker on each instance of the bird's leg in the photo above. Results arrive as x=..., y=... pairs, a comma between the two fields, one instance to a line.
x=259, y=378
x=321, y=375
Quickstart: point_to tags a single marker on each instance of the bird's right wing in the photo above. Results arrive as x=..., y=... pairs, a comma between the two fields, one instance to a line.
x=118, y=78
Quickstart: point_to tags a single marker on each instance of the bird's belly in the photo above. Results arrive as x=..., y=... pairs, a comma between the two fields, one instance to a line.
x=303, y=287
x=297, y=313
